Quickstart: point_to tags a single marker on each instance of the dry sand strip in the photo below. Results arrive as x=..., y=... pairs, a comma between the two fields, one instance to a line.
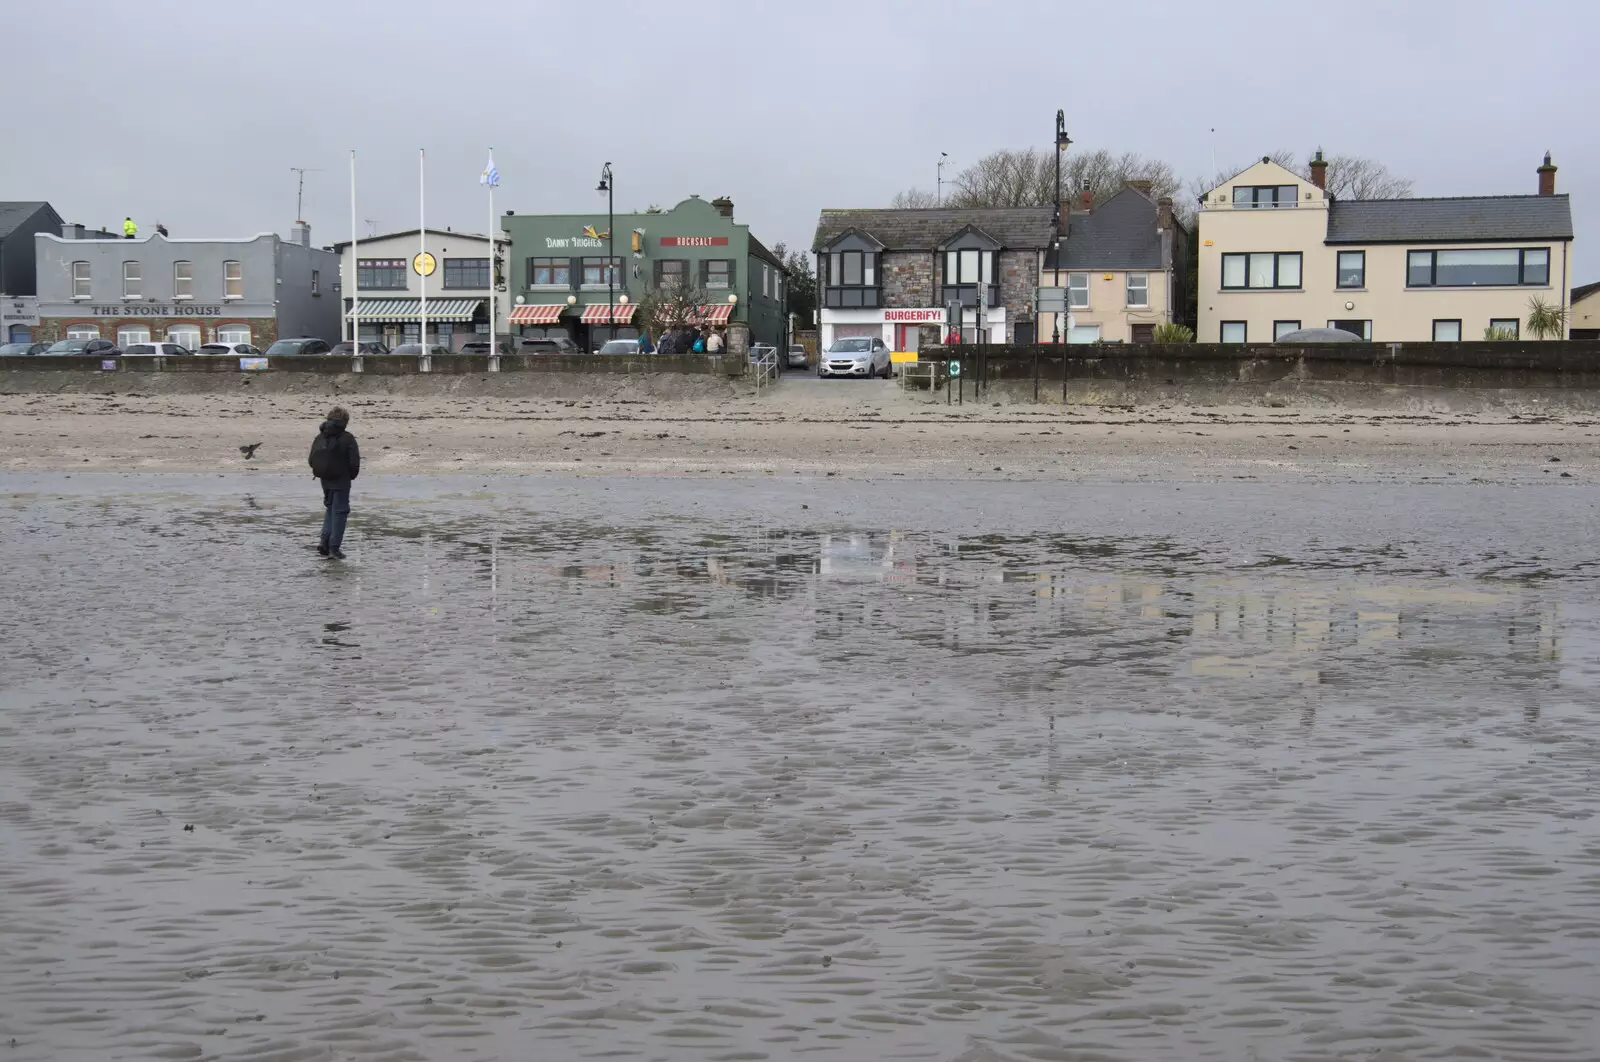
x=868, y=433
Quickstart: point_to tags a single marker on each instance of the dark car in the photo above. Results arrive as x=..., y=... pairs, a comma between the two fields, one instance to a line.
x=546, y=345
x=415, y=349
x=100, y=348
x=347, y=348
x=24, y=348
x=287, y=347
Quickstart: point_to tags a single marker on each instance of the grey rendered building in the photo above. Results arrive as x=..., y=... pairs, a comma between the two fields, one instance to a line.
x=19, y=222
x=190, y=291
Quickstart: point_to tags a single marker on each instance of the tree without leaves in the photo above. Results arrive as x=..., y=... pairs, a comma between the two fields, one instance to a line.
x=914, y=199
x=802, y=283
x=1349, y=177
x=1028, y=178
x=664, y=308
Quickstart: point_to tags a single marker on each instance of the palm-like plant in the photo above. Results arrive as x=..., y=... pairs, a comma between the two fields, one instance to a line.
x=1499, y=335
x=1172, y=333
x=1546, y=321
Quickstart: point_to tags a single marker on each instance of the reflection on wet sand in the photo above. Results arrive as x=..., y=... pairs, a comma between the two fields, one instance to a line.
x=604, y=775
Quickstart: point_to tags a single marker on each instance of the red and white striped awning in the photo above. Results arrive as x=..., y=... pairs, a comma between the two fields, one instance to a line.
x=601, y=313
x=715, y=314
x=536, y=315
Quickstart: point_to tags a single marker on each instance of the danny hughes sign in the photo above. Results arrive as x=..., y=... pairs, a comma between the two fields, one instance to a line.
x=148, y=309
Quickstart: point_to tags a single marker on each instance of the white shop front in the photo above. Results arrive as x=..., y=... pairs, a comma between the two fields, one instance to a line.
x=901, y=327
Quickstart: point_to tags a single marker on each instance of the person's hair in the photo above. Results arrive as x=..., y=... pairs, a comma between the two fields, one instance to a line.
x=339, y=414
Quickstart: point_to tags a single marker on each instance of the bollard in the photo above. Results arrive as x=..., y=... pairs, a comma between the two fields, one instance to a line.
x=494, y=363
x=355, y=364
x=424, y=362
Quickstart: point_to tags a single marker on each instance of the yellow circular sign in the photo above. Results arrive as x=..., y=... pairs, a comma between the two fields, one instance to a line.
x=424, y=263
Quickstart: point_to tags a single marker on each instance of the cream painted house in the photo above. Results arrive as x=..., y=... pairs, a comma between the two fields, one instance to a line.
x=1277, y=254
x=1123, y=265
x=1583, y=318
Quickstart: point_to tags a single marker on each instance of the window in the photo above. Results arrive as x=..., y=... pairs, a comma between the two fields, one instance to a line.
x=1266, y=197
x=80, y=280
x=1283, y=328
x=766, y=278
x=1261, y=270
x=131, y=284
x=381, y=274
x=1507, y=324
x=1490, y=267
x=1352, y=269
x=130, y=335
x=718, y=274
x=672, y=273
x=232, y=281
x=1447, y=331
x=466, y=273
x=1084, y=334
x=969, y=267
x=1234, y=331
x=83, y=331
x=233, y=334
x=182, y=280
x=595, y=271
x=1355, y=328
x=853, y=269
x=550, y=272
x=186, y=336
x=1138, y=289
x=1078, y=291
x=316, y=282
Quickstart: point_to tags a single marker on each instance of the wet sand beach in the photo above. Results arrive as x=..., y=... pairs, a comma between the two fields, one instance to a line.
x=842, y=752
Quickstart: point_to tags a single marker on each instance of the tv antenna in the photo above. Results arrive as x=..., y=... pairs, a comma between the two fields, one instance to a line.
x=372, y=226
x=300, y=193
x=938, y=195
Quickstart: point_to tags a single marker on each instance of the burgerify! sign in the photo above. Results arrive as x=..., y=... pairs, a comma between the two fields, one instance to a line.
x=934, y=316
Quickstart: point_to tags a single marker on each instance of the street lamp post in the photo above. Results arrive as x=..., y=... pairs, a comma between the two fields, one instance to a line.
x=1062, y=140
x=607, y=185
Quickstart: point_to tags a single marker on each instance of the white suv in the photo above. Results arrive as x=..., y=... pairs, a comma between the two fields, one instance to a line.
x=148, y=350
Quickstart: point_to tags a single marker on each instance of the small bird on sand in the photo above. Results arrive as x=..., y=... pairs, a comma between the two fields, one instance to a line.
x=249, y=451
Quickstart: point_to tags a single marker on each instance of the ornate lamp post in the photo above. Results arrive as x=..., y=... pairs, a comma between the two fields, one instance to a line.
x=607, y=186
x=1062, y=140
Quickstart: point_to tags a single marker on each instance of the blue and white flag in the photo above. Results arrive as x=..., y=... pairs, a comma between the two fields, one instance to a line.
x=491, y=176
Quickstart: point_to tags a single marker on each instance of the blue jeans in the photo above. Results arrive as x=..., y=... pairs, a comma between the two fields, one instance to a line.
x=335, y=511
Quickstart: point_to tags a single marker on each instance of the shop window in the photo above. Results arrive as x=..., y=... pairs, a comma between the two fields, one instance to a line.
x=233, y=334
x=466, y=273
x=381, y=274
x=186, y=336
x=549, y=272
x=83, y=331
x=1138, y=289
x=232, y=280
x=80, y=280
x=183, y=280
x=132, y=286
x=132, y=335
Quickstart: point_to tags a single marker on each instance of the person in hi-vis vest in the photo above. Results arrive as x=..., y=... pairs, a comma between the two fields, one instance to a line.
x=129, y=229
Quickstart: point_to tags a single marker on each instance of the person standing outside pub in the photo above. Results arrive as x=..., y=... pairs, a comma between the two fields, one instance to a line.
x=336, y=462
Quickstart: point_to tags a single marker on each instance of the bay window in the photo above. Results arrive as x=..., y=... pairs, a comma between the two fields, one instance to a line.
x=1263, y=270
x=851, y=280
x=1482, y=267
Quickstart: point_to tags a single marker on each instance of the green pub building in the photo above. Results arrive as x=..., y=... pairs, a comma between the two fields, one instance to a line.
x=563, y=270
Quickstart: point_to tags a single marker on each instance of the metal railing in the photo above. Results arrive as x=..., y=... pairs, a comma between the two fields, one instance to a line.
x=764, y=365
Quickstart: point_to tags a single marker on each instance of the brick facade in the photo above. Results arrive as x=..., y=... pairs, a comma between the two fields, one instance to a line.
x=263, y=330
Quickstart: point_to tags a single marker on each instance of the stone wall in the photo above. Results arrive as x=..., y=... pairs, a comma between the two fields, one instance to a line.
x=1019, y=278
x=908, y=281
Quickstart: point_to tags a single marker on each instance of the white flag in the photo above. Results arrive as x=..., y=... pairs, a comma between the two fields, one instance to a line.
x=491, y=176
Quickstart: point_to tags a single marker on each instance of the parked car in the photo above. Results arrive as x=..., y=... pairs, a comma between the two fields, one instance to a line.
x=547, y=345
x=154, y=350
x=856, y=356
x=303, y=345
x=798, y=359
x=620, y=346
x=243, y=350
x=347, y=348
x=99, y=348
x=415, y=349
x=24, y=348
x=1319, y=335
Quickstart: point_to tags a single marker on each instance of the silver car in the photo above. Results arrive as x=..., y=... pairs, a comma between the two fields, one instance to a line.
x=860, y=356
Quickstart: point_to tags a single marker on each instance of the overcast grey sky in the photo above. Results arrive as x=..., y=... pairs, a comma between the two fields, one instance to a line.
x=192, y=113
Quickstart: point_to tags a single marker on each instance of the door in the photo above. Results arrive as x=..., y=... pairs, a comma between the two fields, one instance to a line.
x=1143, y=333
x=1022, y=333
x=908, y=337
x=19, y=334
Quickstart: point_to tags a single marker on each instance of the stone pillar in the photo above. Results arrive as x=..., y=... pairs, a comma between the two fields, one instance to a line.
x=738, y=340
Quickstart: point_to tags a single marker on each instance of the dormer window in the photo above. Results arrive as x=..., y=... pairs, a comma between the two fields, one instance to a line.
x=850, y=273
x=1265, y=196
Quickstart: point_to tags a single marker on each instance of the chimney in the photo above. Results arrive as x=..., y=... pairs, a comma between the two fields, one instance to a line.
x=1164, y=214
x=1319, y=171
x=71, y=230
x=1086, y=201
x=724, y=206
x=1547, y=177
x=301, y=234
x=1138, y=186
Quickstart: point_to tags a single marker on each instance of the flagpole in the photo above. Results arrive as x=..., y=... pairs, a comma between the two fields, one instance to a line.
x=422, y=237
x=494, y=344
x=355, y=267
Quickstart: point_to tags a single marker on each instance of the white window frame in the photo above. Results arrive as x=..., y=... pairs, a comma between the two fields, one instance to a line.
x=80, y=282
x=1074, y=287
x=132, y=281
x=232, y=286
x=1084, y=333
x=234, y=333
x=186, y=331
x=316, y=282
x=83, y=331
x=182, y=280
x=1143, y=289
x=128, y=335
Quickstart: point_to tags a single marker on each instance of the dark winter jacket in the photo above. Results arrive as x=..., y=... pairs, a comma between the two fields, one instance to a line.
x=344, y=444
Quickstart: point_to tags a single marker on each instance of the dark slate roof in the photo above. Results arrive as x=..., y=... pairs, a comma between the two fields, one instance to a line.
x=1119, y=234
x=1584, y=290
x=759, y=249
x=925, y=230
x=1467, y=218
x=14, y=214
